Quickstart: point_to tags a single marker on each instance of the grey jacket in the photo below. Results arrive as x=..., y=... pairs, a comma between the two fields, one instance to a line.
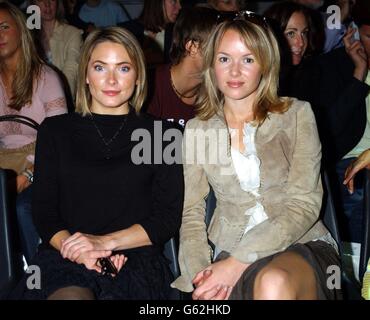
x=290, y=191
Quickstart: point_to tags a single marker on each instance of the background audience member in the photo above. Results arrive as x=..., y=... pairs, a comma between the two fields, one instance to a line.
x=340, y=85
x=102, y=13
x=29, y=88
x=224, y=5
x=294, y=28
x=72, y=9
x=176, y=85
x=334, y=36
x=153, y=29
x=61, y=42
x=91, y=199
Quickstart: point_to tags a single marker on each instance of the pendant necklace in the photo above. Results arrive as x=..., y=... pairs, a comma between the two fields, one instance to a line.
x=107, y=150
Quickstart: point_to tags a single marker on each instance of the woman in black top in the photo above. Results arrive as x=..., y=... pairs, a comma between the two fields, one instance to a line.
x=94, y=197
x=299, y=34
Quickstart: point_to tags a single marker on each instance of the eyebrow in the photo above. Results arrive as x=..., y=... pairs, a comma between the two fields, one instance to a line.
x=117, y=64
x=227, y=54
x=2, y=22
x=295, y=29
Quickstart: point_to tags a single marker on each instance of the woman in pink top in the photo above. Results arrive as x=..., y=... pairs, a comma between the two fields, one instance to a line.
x=30, y=88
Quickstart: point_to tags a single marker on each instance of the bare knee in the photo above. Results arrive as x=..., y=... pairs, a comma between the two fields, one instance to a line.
x=72, y=293
x=273, y=283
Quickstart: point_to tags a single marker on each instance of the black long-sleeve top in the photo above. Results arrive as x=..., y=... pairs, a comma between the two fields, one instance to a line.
x=78, y=189
x=339, y=102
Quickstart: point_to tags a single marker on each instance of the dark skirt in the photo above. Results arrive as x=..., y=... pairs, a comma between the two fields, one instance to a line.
x=145, y=276
x=319, y=254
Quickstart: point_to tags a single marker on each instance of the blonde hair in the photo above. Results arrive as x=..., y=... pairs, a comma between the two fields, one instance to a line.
x=29, y=66
x=128, y=41
x=263, y=45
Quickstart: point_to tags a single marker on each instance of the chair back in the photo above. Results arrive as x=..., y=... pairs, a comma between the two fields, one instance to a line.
x=10, y=258
x=20, y=119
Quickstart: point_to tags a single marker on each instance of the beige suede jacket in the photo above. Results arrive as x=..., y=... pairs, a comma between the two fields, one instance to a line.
x=289, y=149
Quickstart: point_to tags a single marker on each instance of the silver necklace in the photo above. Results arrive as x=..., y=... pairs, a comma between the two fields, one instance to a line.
x=107, y=150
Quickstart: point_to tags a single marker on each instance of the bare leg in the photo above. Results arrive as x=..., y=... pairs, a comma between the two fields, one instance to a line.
x=287, y=277
x=72, y=293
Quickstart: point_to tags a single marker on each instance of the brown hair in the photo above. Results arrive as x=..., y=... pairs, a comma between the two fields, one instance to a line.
x=153, y=15
x=262, y=43
x=281, y=12
x=193, y=24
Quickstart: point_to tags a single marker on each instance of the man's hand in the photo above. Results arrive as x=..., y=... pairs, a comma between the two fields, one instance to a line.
x=357, y=53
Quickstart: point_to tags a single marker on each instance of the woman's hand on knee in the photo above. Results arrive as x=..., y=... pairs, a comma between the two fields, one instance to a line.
x=219, y=282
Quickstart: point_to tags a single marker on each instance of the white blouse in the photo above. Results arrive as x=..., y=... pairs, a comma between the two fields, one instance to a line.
x=247, y=167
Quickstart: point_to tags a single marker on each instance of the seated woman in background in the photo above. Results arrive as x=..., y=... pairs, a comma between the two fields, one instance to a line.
x=264, y=167
x=176, y=85
x=28, y=88
x=295, y=31
x=61, y=42
x=153, y=29
x=92, y=198
x=224, y=5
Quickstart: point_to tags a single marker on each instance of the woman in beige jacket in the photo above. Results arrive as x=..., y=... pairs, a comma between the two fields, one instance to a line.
x=261, y=155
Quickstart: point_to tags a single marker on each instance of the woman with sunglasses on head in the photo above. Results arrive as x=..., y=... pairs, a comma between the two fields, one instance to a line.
x=261, y=155
x=102, y=210
x=28, y=87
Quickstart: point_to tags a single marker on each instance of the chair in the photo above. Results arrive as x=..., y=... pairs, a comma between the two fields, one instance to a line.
x=350, y=287
x=170, y=252
x=10, y=259
x=11, y=264
x=365, y=245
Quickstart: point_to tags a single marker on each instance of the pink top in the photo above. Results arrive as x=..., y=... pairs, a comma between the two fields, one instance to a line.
x=48, y=100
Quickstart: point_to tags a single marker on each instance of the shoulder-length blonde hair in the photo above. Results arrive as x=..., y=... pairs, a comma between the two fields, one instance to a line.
x=128, y=41
x=28, y=67
x=262, y=43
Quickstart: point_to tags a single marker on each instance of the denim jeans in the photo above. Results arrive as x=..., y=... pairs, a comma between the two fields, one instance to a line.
x=28, y=234
x=351, y=205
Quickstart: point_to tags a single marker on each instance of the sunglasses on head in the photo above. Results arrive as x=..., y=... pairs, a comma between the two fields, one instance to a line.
x=243, y=15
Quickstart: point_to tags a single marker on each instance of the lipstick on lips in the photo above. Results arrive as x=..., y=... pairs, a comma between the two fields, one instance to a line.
x=235, y=84
x=111, y=93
